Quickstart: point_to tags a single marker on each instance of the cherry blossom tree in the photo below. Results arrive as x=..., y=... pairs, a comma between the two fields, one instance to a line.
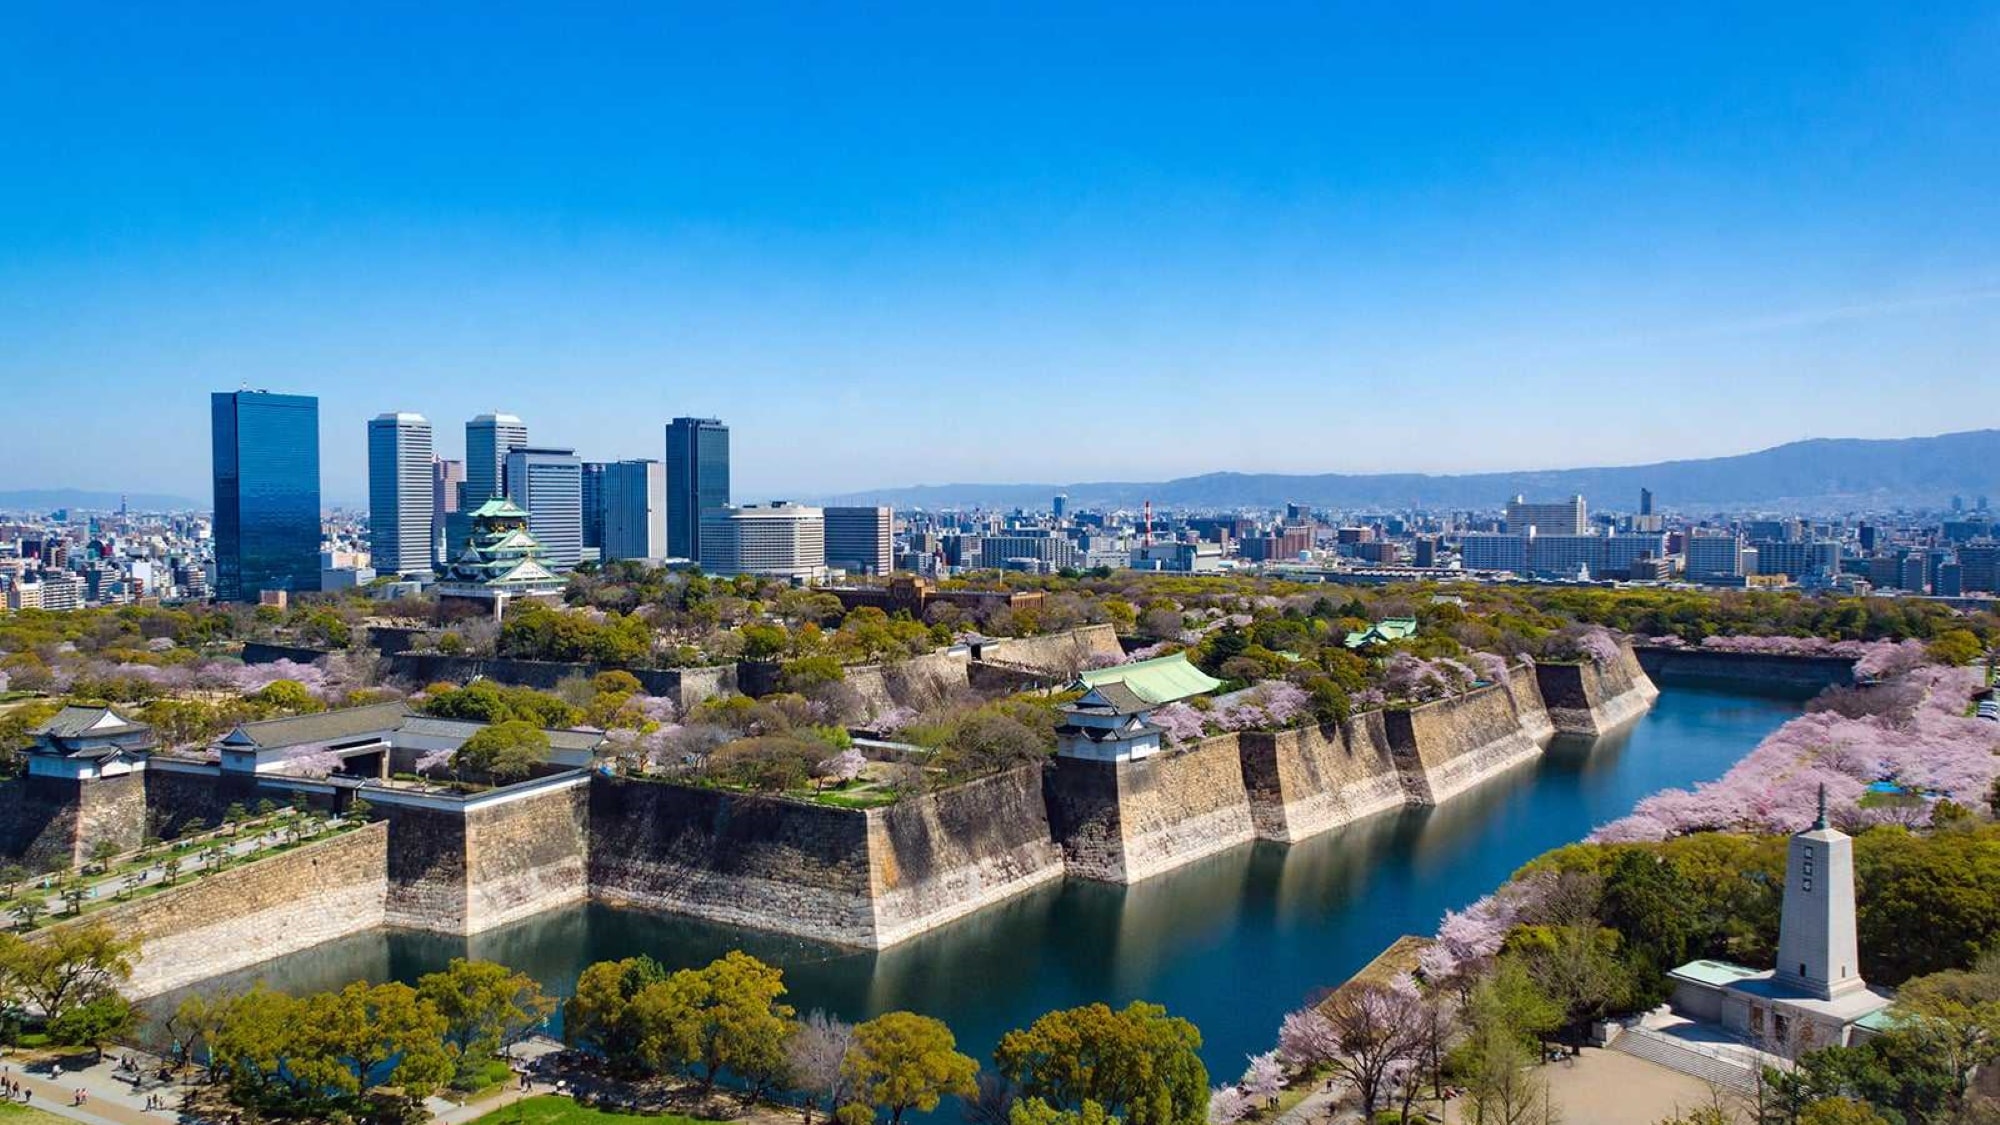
x=1182, y=723
x=843, y=767
x=1264, y=1077
x=1228, y=1105
x=1306, y=1039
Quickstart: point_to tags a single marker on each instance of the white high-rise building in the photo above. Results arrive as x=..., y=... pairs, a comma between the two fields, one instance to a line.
x=488, y=440
x=1565, y=517
x=400, y=494
x=781, y=540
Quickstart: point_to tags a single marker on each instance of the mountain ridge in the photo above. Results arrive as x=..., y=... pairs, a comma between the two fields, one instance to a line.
x=1812, y=474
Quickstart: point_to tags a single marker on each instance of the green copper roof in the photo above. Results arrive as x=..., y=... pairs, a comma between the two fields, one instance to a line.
x=498, y=507
x=1385, y=631
x=1163, y=679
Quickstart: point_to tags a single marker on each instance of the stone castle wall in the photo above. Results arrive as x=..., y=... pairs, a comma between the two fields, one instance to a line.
x=1447, y=747
x=1588, y=699
x=943, y=855
x=1802, y=674
x=1172, y=808
x=1057, y=653
x=468, y=869
x=238, y=918
x=732, y=857
x=1304, y=782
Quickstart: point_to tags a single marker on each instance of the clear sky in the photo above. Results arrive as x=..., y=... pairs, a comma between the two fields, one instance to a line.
x=894, y=244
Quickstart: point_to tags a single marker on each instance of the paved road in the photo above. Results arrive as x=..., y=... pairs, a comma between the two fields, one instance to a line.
x=191, y=863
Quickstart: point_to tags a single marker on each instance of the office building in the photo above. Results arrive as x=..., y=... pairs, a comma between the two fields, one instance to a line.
x=1979, y=568
x=447, y=483
x=1645, y=501
x=631, y=514
x=1031, y=550
x=1714, y=557
x=862, y=540
x=547, y=484
x=593, y=506
x=266, y=468
x=489, y=438
x=1564, y=518
x=779, y=540
x=402, y=494
x=697, y=480
x=1487, y=551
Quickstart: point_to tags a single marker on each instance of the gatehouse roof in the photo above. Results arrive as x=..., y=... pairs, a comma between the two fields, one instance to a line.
x=1163, y=679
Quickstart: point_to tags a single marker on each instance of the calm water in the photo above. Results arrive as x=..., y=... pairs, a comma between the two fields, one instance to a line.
x=1231, y=942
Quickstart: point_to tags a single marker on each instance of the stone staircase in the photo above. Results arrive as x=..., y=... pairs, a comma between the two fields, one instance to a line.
x=1690, y=1059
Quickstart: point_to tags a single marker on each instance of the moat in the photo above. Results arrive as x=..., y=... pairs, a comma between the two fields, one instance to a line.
x=1232, y=941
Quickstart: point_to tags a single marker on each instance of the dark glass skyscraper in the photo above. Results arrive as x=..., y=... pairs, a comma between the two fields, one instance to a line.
x=697, y=480
x=266, y=493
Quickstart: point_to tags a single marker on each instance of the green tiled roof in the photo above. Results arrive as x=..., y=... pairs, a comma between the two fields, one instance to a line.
x=1384, y=631
x=1163, y=679
x=1880, y=1020
x=1721, y=974
x=498, y=508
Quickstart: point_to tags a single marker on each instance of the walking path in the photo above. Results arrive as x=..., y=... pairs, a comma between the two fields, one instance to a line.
x=111, y=1100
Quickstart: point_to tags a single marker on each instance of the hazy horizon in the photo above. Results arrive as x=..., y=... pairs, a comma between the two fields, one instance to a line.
x=1041, y=243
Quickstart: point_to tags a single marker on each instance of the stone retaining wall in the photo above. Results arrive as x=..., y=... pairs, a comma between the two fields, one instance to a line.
x=731, y=857
x=944, y=855
x=1304, y=782
x=1448, y=746
x=1588, y=699
x=240, y=917
x=1801, y=674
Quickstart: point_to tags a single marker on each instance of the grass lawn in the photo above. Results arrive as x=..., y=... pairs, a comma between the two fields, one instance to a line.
x=14, y=1113
x=549, y=1109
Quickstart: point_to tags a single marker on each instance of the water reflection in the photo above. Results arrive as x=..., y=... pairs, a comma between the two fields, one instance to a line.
x=1231, y=941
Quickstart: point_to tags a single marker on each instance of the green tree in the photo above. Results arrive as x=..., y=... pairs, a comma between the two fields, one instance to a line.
x=484, y=1005
x=1955, y=647
x=599, y=1013
x=67, y=968
x=903, y=1061
x=1840, y=1111
x=1138, y=1063
x=507, y=751
x=1955, y=1017
x=288, y=696
x=94, y=1022
x=727, y=1014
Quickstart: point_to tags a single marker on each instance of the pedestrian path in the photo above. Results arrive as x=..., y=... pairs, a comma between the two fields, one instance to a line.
x=104, y=1105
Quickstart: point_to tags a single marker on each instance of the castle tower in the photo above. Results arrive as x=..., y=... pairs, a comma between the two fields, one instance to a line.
x=1817, y=950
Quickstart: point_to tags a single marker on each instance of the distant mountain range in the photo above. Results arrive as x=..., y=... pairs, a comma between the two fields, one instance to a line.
x=1823, y=474
x=48, y=499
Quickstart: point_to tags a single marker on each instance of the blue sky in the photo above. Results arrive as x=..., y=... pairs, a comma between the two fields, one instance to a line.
x=894, y=244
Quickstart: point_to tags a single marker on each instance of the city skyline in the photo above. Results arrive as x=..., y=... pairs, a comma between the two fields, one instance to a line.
x=1513, y=234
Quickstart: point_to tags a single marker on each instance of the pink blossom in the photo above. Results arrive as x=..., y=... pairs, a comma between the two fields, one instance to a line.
x=1228, y=1105
x=1493, y=669
x=1307, y=1039
x=433, y=761
x=844, y=766
x=1264, y=1077
x=311, y=761
x=1182, y=723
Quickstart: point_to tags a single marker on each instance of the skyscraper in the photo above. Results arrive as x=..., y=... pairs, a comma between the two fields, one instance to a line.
x=488, y=440
x=593, y=506
x=1645, y=501
x=266, y=466
x=697, y=480
x=401, y=494
x=633, y=510
x=861, y=540
x=1563, y=518
x=447, y=482
x=548, y=485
